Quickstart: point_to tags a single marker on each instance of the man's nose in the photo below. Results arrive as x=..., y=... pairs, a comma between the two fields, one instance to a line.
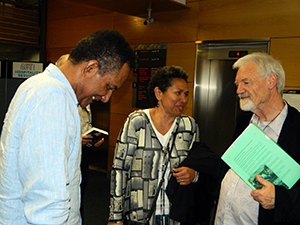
x=105, y=98
x=239, y=89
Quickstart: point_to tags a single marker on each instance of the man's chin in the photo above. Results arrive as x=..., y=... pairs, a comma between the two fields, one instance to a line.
x=247, y=106
x=83, y=104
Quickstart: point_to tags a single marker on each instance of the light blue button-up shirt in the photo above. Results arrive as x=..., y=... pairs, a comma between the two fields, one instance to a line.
x=40, y=151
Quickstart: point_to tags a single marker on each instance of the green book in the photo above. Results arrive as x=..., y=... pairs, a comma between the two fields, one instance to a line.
x=253, y=152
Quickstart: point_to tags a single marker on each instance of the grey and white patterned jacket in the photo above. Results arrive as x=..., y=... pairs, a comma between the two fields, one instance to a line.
x=136, y=161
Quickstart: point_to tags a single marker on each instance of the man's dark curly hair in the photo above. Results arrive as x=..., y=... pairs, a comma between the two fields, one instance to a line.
x=108, y=47
x=163, y=80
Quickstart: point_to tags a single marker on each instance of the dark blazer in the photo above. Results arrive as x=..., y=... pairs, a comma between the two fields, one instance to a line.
x=192, y=203
x=287, y=202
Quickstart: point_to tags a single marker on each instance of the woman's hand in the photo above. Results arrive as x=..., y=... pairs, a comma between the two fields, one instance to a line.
x=97, y=144
x=184, y=175
x=87, y=139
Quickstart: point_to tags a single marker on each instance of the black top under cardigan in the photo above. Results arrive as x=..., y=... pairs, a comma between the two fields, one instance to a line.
x=193, y=203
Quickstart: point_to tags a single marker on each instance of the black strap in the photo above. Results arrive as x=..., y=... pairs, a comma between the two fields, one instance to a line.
x=162, y=178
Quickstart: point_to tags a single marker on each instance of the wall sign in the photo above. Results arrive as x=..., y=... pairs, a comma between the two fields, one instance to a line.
x=149, y=58
x=26, y=69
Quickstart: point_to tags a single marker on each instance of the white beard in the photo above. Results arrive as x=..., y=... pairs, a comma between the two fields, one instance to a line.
x=247, y=105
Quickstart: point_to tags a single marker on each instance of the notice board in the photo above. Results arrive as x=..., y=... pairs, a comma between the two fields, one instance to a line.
x=149, y=58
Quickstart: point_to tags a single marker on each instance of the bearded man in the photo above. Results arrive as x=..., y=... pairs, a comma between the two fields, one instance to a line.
x=260, y=81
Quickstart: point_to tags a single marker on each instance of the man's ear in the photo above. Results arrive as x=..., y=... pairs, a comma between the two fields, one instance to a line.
x=90, y=68
x=158, y=93
x=272, y=80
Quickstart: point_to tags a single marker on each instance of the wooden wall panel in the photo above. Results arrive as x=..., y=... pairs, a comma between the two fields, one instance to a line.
x=287, y=51
x=116, y=123
x=62, y=9
x=53, y=54
x=67, y=32
x=121, y=100
x=184, y=55
x=237, y=19
x=68, y=23
x=173, y=26
x=111, y=152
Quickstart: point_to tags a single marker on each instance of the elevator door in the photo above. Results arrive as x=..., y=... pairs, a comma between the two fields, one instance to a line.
x=217, y=104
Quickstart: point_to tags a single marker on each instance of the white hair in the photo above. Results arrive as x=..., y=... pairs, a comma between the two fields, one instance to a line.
x=266, y=65
x=61, y=60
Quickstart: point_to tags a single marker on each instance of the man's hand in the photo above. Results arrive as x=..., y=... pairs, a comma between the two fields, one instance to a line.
x=266, y=195
x=86, y=139
x=184, y=175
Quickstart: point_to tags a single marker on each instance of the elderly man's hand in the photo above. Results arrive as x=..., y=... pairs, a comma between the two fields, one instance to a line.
x=266, y=195
x=86, y=139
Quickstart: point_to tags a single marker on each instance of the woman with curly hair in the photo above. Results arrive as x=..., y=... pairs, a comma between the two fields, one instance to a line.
x=150, y=142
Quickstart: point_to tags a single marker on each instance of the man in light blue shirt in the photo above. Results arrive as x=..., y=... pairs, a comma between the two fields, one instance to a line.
x=40, y=145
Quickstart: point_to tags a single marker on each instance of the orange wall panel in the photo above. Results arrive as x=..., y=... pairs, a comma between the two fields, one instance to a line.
x=62, y=9
x=237, y=19
x=116, y=123
x=287, y=51
x=111, y=152
x=174, y=26
x=53, y=54
x=121, y=101
x=184, y=55
x=67, y=32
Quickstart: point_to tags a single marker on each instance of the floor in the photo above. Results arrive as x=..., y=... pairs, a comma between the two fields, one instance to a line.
x=96, y=199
